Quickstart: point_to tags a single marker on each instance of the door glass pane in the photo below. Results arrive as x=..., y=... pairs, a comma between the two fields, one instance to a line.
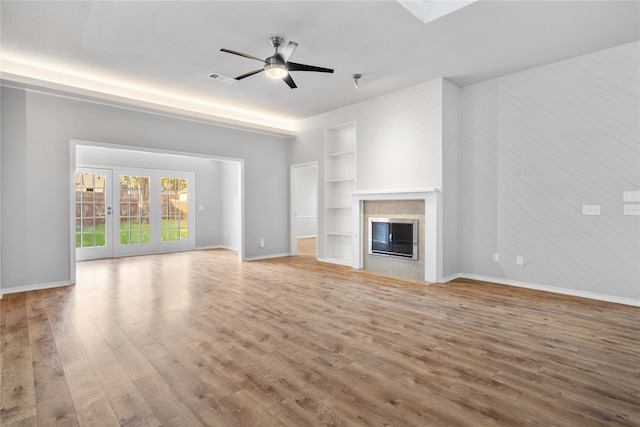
x=134, y=209
x=90, y=210
x=174, y=209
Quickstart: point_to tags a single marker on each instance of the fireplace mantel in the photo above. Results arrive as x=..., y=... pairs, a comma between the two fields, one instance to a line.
x=432, y=234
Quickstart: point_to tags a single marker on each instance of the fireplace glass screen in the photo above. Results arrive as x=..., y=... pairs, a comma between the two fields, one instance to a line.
x=394, y=237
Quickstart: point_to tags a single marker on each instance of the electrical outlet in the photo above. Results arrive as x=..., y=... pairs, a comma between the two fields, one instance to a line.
x=632, y=209
x=590, y=209
x=261, y=243
x=496, y=258
x=519, y=260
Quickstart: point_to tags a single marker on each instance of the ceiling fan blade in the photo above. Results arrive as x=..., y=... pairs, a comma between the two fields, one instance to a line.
x=250, y=73
x=242, y=54
x=288, y=80
x=292, y=66
x=286, y=51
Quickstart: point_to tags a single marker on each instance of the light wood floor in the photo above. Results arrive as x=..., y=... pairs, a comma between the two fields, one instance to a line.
x=197, y=338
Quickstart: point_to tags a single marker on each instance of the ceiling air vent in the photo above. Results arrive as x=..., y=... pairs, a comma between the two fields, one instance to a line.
x=221, y=78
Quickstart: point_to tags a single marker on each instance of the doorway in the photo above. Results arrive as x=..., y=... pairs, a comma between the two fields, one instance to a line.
x=304, y=206
x=217, y=204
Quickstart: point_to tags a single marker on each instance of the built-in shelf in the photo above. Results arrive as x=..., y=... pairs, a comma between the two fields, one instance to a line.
x=340, y=183
x=339, y=234
x=341, y=153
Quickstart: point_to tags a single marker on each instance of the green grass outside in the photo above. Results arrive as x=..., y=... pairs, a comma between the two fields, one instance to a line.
x=131, y=232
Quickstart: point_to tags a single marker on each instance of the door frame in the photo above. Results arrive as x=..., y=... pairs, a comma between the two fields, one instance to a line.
x=292, y=205
x=73, y=143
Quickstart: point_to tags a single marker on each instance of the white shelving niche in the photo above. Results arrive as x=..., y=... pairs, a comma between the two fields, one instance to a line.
x=340, y=183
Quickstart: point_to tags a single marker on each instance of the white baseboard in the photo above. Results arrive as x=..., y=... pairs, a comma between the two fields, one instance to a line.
x=451, y=277
x=335, y=261
x=205, y=248
x=259, y=257
x=538, y=287
x=37, y=287
x=526, y=285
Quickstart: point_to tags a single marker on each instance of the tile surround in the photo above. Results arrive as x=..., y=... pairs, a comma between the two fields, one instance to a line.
x=388, y=265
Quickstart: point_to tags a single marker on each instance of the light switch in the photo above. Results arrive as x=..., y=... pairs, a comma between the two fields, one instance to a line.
x=590, y=209
x=200, y=207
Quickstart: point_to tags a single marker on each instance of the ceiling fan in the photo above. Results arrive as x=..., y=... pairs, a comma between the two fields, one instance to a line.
x=278, y=65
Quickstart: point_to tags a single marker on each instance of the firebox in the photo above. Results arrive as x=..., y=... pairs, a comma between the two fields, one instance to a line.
x=396, y=237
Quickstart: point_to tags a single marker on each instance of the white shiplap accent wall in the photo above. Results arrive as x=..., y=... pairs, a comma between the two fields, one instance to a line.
x=534, y=147
x=399, y=142
x=399, y=133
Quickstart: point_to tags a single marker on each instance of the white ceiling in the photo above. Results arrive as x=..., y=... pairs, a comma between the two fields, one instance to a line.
x=174, y=46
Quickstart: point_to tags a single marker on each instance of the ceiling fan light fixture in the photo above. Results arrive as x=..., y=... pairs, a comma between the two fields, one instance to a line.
x=275, y=70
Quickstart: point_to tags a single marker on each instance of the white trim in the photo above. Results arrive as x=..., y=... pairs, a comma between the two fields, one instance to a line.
x=72, y=208
x=399, y=194
x=546, y=288
x=259, y=257
x=37, y=287
x=346, y=263
x=241, y=252
x=206, y=248
x=451, y=277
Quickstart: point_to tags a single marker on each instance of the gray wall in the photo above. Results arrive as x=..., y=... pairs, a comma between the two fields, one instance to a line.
x=36, y=130
x=230, y=206
x=535, y=147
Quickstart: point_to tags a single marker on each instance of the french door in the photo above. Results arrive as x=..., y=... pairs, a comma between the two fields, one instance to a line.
x=93, y=213
x=147, y=212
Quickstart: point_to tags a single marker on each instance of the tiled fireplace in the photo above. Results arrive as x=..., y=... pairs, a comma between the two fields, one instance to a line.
x=418, y=206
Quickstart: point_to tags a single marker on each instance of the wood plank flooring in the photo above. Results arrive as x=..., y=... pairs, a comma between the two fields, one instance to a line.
x=200, y=339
